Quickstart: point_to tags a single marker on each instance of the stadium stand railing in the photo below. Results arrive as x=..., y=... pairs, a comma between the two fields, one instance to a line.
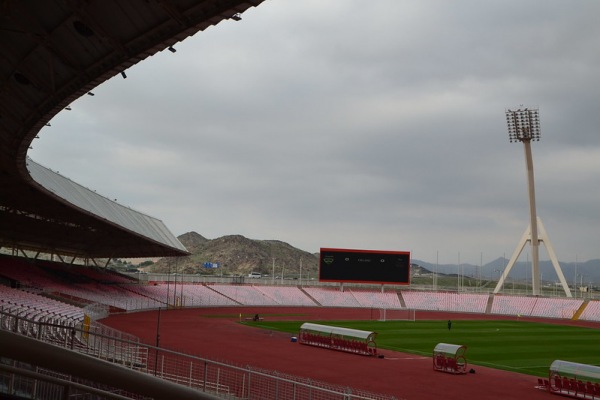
x=29, y=381
x=198, y=373
x=29, y=312
x=34, y=304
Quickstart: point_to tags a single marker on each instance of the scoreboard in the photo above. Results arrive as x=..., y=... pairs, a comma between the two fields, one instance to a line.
x=364, y=266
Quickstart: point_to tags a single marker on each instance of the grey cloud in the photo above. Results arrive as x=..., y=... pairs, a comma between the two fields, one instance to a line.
x=355, y=124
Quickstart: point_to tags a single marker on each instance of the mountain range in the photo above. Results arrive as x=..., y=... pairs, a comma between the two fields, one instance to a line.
x=587, y=272
x=238, y=255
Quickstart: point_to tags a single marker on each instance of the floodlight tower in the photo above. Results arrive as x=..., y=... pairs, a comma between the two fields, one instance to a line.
x=524, y=127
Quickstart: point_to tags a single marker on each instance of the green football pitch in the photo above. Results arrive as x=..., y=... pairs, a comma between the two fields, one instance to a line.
x=519, y=346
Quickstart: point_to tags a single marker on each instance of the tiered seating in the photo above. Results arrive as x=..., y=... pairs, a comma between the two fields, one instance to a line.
x=80, y=273
x=332, y=297
x=187, y=295
x=35, y=307
x=591, y=312
x=376, y=299
x=422, y=300
x=246, y=295
x=513, y=305
x=103, y=275
x=111, y=295
x=468, y=302
x=25, y=272
x=445, y=301
x=201, y=295
x=556, y=307
x=286, y=295
x=127, y=296
x=153, y=296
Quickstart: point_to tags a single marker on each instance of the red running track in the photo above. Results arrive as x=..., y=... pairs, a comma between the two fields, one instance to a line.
x=216, y=334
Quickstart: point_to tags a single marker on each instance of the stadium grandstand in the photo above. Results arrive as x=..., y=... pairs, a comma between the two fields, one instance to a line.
x=56, y=235
x=54, y=52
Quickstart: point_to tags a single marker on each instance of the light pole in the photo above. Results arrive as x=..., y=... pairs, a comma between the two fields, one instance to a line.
x=168, y=282
x=175, y=287
x=273, y=273
x=437, y=261
x=458, y=275
x=157, y=341
x=575, y=280
x=524, y=126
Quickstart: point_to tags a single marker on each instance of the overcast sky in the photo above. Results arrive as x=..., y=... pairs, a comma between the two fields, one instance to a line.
x=356, y=124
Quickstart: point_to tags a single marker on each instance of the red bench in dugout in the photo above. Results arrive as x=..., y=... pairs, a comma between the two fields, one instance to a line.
x=337, y=338
x=574, y=380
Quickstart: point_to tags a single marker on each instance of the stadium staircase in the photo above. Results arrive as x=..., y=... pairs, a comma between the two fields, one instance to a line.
x=580, y=310
x=490, y=303
x=401, y=299
x=144, y=295
x=224, y=295
x=310, y=297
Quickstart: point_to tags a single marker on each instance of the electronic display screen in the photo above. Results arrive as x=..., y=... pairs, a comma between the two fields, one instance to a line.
x=366, y=266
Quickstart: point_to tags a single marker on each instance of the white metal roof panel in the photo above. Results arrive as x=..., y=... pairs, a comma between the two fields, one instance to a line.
x=100, y=206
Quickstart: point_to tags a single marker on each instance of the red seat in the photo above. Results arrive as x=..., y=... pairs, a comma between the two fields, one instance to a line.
x=540, y=382
x=557, y=382
x=573, y=384
x=580, y=387
x=590, y=388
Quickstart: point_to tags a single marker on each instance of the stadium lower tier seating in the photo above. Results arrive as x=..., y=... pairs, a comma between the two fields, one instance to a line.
x=39, y=280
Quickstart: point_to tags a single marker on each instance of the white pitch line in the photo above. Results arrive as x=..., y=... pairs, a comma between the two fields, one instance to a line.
x=500, y=366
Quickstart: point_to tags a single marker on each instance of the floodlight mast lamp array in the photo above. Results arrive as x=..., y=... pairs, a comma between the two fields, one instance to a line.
x=524, y=126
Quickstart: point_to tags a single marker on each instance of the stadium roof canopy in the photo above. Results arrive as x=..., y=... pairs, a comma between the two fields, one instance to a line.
x=51, y=53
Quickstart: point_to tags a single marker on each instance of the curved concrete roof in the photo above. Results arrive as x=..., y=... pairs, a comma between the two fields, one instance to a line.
x=52, y=52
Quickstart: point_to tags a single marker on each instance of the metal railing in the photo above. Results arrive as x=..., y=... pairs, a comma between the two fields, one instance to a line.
x=217, y=378
x=34, y=383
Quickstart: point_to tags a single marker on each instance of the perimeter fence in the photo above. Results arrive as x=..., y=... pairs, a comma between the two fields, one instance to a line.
x=222, y=379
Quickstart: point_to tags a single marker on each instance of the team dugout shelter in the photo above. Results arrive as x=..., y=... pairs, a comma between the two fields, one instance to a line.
x=450, y=358
x=338, y=338
x=581, y=381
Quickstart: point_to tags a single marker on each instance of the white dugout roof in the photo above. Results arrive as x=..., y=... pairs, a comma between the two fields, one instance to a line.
x=336, y=330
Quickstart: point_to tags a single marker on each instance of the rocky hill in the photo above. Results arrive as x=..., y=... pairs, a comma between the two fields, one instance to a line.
x=237, y=255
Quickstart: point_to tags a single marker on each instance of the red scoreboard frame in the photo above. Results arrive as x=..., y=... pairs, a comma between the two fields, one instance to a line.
x=364, y=266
